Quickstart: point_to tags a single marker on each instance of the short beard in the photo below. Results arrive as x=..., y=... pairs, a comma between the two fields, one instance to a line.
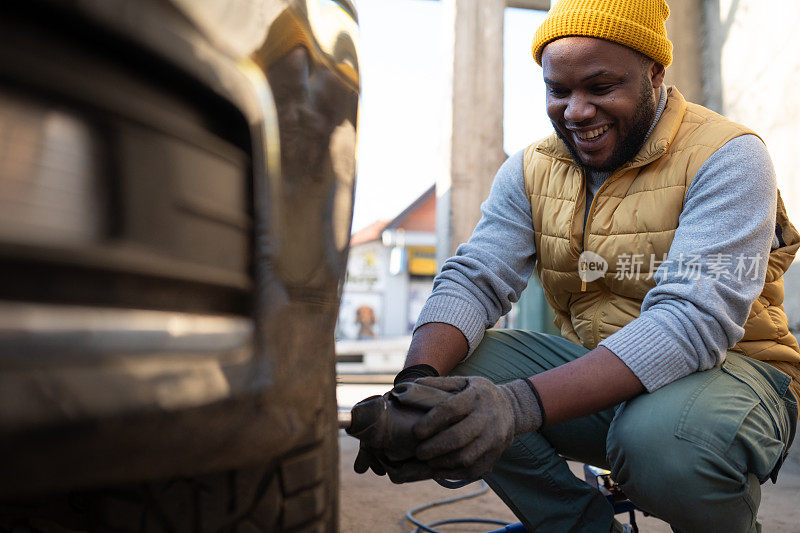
x=632, y=143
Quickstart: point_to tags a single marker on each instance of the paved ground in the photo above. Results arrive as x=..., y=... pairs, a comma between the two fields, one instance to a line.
x=371, y=503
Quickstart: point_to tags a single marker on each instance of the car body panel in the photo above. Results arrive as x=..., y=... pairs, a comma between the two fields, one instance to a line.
x=169, y=330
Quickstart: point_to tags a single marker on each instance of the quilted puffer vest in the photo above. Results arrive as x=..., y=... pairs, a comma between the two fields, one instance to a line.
x=631, y=224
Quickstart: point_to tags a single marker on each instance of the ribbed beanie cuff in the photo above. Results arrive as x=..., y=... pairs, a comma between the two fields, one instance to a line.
x=637, y=24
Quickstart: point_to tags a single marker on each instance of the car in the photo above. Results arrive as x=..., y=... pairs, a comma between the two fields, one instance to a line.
x=176, y=196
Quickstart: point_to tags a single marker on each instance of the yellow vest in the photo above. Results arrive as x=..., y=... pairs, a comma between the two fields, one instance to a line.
x=631, y=224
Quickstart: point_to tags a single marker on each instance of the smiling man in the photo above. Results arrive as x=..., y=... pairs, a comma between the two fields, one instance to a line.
x=675, y=367
x=600, y=99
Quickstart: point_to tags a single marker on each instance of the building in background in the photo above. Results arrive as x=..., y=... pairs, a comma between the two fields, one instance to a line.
x=390, y=273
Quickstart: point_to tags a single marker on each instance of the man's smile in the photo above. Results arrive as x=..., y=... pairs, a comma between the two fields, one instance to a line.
x=590, y=139
x=591, y=134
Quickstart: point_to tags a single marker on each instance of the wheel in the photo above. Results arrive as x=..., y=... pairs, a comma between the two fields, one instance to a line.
x=293, y=493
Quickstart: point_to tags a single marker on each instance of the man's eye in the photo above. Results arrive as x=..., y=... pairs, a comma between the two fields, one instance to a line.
x=558, y=92
x=602, y=89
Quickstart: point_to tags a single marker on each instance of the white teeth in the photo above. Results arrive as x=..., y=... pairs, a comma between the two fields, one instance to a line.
x=586, y=136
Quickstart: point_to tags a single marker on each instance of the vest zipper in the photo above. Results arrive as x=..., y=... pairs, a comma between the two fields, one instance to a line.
x=604, y=294
x=584, y=190
x=591, y=209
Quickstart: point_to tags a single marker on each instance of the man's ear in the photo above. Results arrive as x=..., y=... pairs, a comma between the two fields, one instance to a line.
x=657, y=72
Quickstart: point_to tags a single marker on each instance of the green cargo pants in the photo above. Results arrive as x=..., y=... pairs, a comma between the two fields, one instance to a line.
x=692, y=453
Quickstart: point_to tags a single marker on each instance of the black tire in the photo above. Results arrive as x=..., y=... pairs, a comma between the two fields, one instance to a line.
x=295, y=493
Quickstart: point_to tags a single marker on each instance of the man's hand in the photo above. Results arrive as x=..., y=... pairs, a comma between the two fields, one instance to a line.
x=384, y=425
x=463, y=436
x=367, y=459
x=399, y=472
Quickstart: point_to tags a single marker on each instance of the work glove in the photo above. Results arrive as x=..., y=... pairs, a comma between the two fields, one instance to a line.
x=384, y=426
x=367, y=459
x=415, y=372
x=373, y=459
x=398, y=471
x=465, y=434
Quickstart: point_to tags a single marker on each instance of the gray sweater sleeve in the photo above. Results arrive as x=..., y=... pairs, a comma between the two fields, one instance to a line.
x=489, y=272
x=694, y=314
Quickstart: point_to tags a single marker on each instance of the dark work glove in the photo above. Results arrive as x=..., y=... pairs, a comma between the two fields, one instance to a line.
x=464, y=435
x=384, y=425
x=415, y=372
x=368, y=457
x=368, y=460
x=398, y=471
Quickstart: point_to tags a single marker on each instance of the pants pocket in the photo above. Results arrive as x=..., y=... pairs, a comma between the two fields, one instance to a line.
x=740, y=415
x=712, y=415
x=777, y=406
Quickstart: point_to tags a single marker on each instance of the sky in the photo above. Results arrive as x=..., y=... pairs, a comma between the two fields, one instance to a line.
x=401, y=118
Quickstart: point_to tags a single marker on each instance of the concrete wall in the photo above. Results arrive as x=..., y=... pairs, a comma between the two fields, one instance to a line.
x=473, y=147
x=759, y=78
x=736, y=57
x=685, y=28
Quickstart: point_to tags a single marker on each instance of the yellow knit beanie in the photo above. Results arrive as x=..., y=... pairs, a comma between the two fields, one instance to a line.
x=637, y=24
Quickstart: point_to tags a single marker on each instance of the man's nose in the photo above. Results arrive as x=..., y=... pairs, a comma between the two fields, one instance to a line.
x=579, y=109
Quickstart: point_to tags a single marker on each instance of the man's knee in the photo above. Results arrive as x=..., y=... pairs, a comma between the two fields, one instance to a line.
x=484, y=359
x=500, y=356
x=657, y=464
x=680, y=481
x=514, y=340
x=698, y=492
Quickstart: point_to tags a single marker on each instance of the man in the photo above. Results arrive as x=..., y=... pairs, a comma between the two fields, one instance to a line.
x=675, y=364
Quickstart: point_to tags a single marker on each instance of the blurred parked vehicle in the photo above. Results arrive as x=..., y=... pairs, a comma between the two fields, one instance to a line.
x=176, y=190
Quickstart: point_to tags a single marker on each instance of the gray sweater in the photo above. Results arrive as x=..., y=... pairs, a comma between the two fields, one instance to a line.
x=687, y=322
